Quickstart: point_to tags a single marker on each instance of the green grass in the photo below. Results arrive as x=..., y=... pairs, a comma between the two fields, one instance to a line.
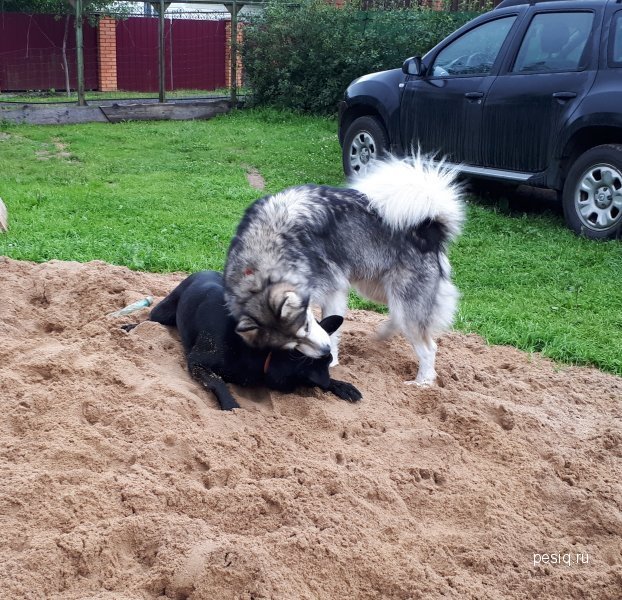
x=527, y=281
x=167, y=196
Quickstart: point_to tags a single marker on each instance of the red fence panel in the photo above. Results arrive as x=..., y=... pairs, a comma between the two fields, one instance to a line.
x=137, y=54
x=194, y=50
x=198, y=54
x=31, y=53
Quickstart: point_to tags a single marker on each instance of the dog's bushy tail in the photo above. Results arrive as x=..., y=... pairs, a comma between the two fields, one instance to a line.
x=409, y=192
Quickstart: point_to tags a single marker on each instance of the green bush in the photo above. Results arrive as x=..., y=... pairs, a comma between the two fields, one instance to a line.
x=303, y=57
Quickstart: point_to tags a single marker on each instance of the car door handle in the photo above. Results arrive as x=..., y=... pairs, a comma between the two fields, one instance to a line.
x=564, y=95
x=474, y=95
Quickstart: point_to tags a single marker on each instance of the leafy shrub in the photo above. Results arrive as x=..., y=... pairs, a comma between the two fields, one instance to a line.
x=303, y=57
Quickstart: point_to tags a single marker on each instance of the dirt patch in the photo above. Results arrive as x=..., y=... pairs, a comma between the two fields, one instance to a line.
x=255, y=179
x=121, y=479
x=56, y=149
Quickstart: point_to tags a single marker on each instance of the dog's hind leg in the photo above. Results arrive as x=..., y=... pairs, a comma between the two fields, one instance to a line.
x=165, y=311
x=422, y=304
x=439, y=318
x=213, y=383
x=425, y=349
x=386, y=330
x=335, y=303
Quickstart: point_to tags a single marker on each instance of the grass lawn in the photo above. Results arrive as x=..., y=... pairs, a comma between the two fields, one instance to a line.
x=167, y=196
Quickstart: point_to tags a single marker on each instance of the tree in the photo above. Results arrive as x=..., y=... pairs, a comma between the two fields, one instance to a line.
x=65, y=8
x=62, y=7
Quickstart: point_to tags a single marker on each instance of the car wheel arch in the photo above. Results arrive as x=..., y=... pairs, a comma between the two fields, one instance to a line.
x=586, y=138
x=360, y=110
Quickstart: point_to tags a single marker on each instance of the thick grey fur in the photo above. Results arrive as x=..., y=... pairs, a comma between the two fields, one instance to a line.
x=386, y=236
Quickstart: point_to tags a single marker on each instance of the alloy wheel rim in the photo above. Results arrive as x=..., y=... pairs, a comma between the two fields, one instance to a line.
x=598, y=197
x=362, y=152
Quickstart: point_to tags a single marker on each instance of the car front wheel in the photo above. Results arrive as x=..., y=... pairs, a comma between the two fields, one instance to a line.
x=365, y=141
x=592, y=195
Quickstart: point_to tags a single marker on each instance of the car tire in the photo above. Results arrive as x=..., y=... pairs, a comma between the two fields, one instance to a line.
x=365, y=141
x=592, y=195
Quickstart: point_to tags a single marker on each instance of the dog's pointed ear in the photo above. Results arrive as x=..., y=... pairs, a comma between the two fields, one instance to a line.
x=331, y=324
x=291, y=306
x=247, y=327
x=287, y=304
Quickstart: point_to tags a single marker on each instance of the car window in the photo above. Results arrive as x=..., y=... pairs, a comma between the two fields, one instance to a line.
x=473, y=53
x=554, y=42
x=615, y=47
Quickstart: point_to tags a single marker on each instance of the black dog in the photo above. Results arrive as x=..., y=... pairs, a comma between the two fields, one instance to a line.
x=217, y=354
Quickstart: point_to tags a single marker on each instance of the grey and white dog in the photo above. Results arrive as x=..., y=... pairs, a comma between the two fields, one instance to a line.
x=386, y=235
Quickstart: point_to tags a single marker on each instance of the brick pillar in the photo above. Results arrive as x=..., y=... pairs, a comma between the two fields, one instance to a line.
x=228, y=55
x=107, y=54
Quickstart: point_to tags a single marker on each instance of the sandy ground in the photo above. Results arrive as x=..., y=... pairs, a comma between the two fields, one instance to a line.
x=120, y=479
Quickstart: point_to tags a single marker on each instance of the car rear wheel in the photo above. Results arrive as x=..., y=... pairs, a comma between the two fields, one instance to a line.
x=365, y=141
x=592, y=196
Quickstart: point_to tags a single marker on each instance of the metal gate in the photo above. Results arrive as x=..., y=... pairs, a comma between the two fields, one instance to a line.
x=194, y=49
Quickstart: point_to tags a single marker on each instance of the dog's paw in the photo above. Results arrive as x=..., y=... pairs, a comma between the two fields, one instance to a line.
x=344, y=390
x=228, y=404
x=423, y=383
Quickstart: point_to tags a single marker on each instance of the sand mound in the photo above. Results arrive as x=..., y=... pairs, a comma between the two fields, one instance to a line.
x=122, y=480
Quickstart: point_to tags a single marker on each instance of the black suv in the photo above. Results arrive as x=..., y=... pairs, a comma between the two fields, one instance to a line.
x=528, y=93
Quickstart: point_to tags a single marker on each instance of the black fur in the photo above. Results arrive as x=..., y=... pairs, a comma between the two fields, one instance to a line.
x=217, y=354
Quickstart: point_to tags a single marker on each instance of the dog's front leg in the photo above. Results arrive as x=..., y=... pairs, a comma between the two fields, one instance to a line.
x=213, y=383
x=335, y=304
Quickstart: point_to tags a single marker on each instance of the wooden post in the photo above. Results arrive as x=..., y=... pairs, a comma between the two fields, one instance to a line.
x=80, y=53
x=234, y=54
x=162, y=57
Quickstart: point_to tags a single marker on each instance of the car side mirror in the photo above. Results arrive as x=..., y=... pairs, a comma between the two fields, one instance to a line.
x=413, y=66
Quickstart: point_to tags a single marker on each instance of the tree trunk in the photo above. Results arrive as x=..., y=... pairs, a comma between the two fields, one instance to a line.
x=65, y=65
